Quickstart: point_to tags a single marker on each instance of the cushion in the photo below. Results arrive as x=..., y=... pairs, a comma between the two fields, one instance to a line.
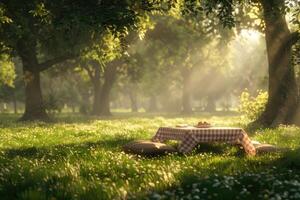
x=266, y=148
x=145, y=147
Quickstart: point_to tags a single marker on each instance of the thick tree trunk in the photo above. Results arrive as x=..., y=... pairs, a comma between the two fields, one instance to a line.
x=15, y=103
x=110, y=74
x=102, y=91
x=34, y=107
x=186, y=92
x=97, y=91
x=283, y=91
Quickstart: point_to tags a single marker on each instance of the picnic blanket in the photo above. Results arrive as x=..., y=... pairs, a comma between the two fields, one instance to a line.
x=191, y=136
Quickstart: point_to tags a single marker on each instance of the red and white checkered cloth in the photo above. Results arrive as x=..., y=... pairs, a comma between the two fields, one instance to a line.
x=191, y=136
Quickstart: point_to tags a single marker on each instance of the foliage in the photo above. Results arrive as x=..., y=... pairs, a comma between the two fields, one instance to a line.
x=251, y=106
x=63, y=28
x=7, y=71
x=105, y=50
x=46, y=33
x=3, y=18
x=13, y=93
x=82, y=158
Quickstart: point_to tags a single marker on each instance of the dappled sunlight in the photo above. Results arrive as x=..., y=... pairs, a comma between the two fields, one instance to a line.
x=149, y=100
x=66, y=163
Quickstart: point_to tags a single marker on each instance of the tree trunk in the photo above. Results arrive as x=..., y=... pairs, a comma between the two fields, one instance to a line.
x=97, y=91
x=26, y=49
x=186, y=92
x=34, y=107
x=15, y=103
x=101, y=92
x=109, y=79
x=283, y=91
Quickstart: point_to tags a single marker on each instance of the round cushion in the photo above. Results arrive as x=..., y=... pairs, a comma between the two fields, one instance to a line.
x=145, y=147
x=265, y=148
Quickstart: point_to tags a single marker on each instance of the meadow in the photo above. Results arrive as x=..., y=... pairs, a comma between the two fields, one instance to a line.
x=77, y=157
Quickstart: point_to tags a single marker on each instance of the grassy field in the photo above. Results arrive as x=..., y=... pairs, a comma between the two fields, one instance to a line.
x=82, y=158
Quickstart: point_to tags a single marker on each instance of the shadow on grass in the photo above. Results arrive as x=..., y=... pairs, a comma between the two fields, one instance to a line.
x=45, y=182
x=63, y=150
x=52, y=178
x=50, y=172
x=289, y=160
x=220, y=149
x=278, y=179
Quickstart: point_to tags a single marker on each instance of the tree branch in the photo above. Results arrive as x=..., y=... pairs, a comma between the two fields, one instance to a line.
x=49, y=63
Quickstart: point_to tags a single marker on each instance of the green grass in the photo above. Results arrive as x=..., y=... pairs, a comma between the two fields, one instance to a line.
x=82, y=158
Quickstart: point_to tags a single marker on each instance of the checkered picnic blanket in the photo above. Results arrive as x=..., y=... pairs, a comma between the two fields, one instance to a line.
x=191, y=136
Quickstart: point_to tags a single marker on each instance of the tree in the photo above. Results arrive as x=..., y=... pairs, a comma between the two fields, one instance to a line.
x=108, y=59
x=101, y=63
x=154, y=64
x=128, y=83
x=186, y=40
x=45, y=33
x=283, y=91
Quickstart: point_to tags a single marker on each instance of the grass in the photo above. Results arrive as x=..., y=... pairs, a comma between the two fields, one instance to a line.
x=82, y=158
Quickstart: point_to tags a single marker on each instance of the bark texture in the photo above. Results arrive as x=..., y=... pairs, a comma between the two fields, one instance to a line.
x=97, y=90
x=34, y=107
x=283, y=90
x=102, y=88
x=109, y=79
x=15, y=103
